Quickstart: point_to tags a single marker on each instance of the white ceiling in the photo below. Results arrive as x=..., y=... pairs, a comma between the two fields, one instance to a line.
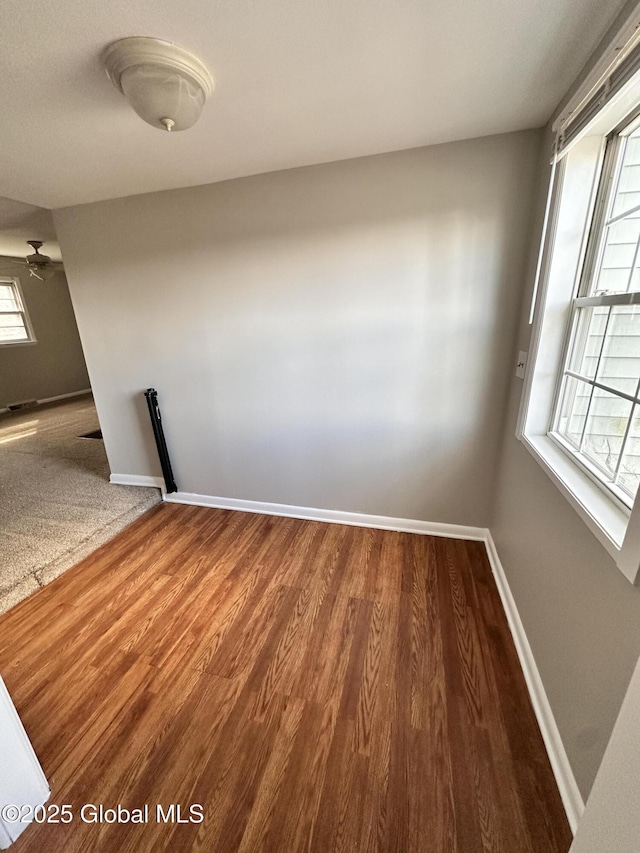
x=20, y=222
x=297, y=82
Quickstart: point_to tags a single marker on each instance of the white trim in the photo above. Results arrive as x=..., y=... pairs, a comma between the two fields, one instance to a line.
x=48, y=399
x=539, y=297
x=26, y=784
x=333, y=516
x=543, y=255
x=64, y=396
x=567, y=785
x=137, y=480
x=18, y=343
x=604, y=518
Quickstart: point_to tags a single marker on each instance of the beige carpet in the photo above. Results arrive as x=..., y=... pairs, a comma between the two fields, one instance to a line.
x=56, y=502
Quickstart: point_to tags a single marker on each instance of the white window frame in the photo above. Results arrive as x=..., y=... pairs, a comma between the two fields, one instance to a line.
x=22, y=310
x=570, y=212
x=586, y=298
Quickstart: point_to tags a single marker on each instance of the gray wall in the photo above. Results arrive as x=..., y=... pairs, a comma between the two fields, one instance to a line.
x=581, y=615
x=612, y=818
x=337, y=336
x=55, y=364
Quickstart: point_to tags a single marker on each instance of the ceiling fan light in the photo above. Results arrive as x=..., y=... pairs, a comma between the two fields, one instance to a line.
x=165, y=84
x=39, y=266
x=40, y=272
x=38, y=260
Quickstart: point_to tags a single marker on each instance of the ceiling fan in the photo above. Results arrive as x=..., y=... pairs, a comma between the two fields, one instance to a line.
x=39, y=266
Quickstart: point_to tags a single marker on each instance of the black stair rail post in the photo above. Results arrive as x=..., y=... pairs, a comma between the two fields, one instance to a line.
x=156, y=422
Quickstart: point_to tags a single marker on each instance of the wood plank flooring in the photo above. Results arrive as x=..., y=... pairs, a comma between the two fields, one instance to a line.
x=315, y=687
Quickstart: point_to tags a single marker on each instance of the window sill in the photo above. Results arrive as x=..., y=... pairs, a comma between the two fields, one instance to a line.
x=17, y=343
x=603, y=517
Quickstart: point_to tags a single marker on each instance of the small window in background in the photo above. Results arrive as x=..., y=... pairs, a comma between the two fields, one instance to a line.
x=14, y=322
x=597, y=413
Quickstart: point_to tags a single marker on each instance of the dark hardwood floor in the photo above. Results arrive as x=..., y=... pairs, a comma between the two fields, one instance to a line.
x=313, y=686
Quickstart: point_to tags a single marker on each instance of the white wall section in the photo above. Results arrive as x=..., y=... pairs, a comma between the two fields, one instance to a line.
x=338, y=336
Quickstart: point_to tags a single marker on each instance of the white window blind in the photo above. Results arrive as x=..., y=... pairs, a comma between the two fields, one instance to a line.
x=615, y=70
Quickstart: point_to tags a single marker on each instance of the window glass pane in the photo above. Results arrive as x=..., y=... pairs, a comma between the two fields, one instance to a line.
x=630, y=176
x=588, y=340
x=14, y=319
x=13, y=333
x=8, y=301
x=622, y=238
x=628, y=189
x=618, y=263
x=606, y=426
x=625, y=201
x=619, y=255
x=573, y=409
x=632, y=152
x=612, y=280
x=629, y=473
x=620, y=361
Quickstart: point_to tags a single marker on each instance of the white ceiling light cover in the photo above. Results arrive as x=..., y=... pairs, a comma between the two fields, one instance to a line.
x=165, y=84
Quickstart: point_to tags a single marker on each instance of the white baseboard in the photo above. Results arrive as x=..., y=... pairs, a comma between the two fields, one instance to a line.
x=356, y=519
x=567, y=785
x=137, y=480
x=50, y=399
x=64, y=396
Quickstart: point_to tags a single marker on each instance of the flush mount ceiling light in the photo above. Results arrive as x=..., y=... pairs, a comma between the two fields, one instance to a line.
x=164, y=83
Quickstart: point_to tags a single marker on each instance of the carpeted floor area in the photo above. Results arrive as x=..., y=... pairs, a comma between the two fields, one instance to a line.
x=56, y=502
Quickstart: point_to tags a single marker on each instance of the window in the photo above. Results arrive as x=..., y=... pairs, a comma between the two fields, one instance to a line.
x=596, y=418
x=15, y=327
x=580, y=407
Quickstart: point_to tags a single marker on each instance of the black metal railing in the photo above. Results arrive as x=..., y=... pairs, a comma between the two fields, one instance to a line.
x=156, y=422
